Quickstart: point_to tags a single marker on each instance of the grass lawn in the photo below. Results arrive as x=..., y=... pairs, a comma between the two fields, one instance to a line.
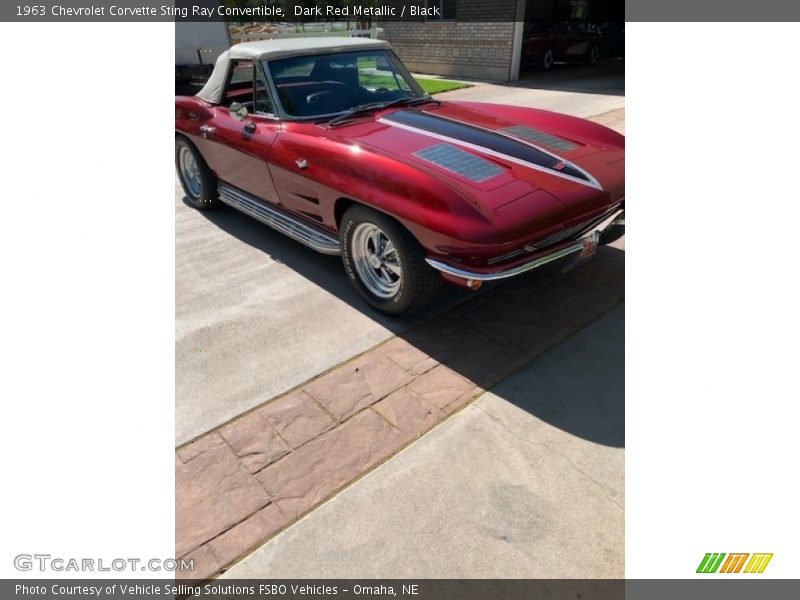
x=431, y=86
x=435, y=86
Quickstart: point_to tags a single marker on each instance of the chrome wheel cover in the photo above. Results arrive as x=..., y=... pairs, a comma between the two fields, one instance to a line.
x=376, y=261
x=190, y=172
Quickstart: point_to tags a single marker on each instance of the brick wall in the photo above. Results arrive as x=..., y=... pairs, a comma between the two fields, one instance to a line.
x=463, y=48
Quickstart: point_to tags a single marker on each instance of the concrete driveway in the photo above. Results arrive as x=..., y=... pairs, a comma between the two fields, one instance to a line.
x=572, y=89
x=258, y=314
x=527, y=482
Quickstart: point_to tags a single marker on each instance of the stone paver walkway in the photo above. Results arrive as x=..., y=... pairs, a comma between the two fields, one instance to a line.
x=526, y=482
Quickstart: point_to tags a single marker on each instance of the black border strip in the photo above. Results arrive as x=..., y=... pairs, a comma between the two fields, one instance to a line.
x=503, y=11
x=701, y=588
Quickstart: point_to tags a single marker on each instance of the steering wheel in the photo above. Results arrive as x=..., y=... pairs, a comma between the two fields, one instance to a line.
x=379, y=94
x=325, y=96
x=318, y=97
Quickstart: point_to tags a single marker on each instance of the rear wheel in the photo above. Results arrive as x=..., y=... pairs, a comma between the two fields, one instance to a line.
x=385, y=263
x=197, y=180
x=593, y=58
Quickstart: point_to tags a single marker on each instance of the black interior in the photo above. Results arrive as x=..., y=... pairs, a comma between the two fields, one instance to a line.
x=242, y=92
x=310, y=98
x=331, y=86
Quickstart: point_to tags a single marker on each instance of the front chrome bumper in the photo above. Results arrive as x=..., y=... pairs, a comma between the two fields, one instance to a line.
x=577, y=245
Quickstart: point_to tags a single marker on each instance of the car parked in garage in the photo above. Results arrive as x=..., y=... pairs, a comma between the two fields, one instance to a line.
x=545, y=43
x=332, y=142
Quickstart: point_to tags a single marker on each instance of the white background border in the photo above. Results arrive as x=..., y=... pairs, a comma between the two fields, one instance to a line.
x=87, y=251
x=712, y=296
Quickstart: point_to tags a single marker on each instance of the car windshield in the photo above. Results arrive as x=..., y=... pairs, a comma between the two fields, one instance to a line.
x=325, y=85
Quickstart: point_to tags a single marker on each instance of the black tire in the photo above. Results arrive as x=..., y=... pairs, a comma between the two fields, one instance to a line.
x=593, y=56
x=418, y=284
x=612, y=234
x=204, y=196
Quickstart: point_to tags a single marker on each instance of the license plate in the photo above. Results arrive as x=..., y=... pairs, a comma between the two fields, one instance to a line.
x=588, y=249
x=589, y=246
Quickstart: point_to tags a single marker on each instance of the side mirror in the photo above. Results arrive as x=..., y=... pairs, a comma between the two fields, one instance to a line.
x=237, y=111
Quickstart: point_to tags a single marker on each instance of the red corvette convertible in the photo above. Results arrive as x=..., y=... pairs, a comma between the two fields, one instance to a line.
x=333, y=143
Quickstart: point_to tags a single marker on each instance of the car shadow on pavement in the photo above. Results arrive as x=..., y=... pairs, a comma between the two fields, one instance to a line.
x=578, y=386
x=322, y=270
x=468, y=342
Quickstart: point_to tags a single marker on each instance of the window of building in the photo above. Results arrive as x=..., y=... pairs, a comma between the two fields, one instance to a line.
x=572, y=10
x=447, y=9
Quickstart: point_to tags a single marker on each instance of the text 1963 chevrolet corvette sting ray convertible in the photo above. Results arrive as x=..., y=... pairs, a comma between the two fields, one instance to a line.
x=333, y=143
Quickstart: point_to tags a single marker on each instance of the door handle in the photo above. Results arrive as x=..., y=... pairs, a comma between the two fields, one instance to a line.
x=249, y=127
x=207, y=130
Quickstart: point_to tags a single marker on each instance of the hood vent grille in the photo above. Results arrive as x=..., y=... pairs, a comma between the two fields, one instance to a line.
x=459, y=161
x=540, y=138
x=499, y=144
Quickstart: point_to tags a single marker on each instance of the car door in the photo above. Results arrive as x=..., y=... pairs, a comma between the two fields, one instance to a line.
x=565, y=40
x=237, y=150
x=304, y=149
x=578, y=44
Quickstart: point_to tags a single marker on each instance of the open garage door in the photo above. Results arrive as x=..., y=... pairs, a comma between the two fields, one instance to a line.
x=579, y=40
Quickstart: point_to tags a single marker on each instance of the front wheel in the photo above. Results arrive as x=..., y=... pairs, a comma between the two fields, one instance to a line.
x=385, y=263
x=593, y=57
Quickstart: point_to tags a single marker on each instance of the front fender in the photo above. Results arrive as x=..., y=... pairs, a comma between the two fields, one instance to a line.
x=432, y=209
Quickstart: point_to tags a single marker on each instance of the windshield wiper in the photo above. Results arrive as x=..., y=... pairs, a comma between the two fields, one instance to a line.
x=375, y=106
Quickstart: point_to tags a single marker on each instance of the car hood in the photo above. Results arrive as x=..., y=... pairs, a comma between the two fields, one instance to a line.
x=497, y=154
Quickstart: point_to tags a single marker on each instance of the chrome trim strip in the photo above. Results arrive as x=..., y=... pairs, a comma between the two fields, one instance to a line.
x=592, y=182
x=538, y=262
x=528, y=266
x=301, y=232
x=604, y=223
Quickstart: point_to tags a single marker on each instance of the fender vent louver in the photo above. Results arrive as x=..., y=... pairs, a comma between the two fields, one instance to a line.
x=460, y=162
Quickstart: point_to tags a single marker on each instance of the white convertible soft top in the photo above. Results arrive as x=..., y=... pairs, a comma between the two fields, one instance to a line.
x=281, y=48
